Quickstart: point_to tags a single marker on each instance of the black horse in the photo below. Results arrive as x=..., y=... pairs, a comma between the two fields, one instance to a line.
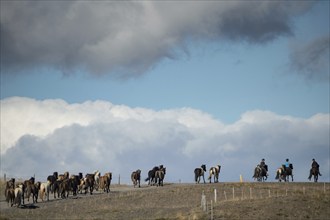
x=314, y=172
x=151, y=175
x=288, y=172
x=260, y=173
x=200, y=172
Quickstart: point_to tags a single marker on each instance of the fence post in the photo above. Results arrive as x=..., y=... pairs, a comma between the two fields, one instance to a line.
x=233, y=193
x=203, y=202
x=215, y=195
x=211, y=210
x=119, y=179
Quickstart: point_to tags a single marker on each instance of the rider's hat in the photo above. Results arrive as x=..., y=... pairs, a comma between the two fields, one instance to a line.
x=287, y=159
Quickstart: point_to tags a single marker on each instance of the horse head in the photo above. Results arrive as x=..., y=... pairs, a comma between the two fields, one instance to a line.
x=203, y=167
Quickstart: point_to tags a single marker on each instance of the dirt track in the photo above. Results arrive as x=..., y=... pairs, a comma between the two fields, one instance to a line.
x=183, y=201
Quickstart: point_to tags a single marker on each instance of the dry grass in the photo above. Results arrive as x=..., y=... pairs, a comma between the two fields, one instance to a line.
x=183, y=201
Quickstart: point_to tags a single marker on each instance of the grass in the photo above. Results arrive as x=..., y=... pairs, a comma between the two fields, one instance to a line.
x=183, y=201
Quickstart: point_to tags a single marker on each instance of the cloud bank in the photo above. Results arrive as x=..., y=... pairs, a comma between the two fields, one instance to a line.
x=126, y=39
x=40, y=137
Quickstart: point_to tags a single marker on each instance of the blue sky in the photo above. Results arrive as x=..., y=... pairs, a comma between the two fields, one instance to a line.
x=223, y=78
x=224, y=73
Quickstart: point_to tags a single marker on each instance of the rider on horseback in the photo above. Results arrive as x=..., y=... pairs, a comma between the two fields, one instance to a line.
x=286, y=165
x=314, y=165
x=264, y=166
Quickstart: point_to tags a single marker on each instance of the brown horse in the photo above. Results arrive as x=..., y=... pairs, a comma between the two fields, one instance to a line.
x=159, y=176
x=136, y=177
x=314, y=172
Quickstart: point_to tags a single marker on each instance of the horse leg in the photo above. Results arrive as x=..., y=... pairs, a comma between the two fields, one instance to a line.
x=203, y=178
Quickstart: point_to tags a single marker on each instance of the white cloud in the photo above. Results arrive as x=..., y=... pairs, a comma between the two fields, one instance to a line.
x=99, y=135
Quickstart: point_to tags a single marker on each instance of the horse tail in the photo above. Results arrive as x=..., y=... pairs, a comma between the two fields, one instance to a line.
x=277, y=174
x=147, y=179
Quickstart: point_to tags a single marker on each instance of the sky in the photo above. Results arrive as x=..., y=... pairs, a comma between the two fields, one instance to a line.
x=120, y=86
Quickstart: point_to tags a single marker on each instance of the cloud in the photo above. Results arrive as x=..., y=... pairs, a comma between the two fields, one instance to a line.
x=126, y=39
x=311, y=59
x=40, y=137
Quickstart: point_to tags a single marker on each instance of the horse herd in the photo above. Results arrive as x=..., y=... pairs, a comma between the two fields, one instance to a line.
x=64, y=184
x=58, y=185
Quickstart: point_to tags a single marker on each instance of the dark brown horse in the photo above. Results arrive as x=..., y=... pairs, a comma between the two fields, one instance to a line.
x=199, y=172
x=314, y=172
x=151, y=176
x=136, y=177
x=260, y=174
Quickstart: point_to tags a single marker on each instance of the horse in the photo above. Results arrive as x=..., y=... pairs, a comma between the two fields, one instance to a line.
x=19, y=195
x=97, y=175
x=89, y=183
x=159, y=176
x=45, y=190
x=314, y=172
x=288, y=172
x=215, y=171
x=151, y=175
x=136, y=177
x=200, y=172
x=105, y=182
x=10, y=192
x=260, y=173
x=52, y=179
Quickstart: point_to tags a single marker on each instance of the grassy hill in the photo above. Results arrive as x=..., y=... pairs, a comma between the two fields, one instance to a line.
x=184, y=201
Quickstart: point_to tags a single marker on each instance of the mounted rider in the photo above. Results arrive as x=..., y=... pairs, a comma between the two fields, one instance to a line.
x=264, y=166
x=316, y=166
x=287, y=165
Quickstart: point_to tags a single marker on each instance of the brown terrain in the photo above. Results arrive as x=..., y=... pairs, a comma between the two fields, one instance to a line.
x=185, y=201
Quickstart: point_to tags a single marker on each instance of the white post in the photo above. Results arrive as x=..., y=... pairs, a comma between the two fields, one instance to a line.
x=324, y=187
x=211, y=210
x=233, y=193
x=224, y=192
x=250, y=193
x=269, y=193
x=215, y=195
x=203, y=202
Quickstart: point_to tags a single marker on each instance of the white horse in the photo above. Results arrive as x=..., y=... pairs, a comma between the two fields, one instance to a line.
x=97, y=175
x=45, y=190
x=18, y=195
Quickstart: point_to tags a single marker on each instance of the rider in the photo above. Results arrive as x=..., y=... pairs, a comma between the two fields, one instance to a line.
x=286, y=165
x=314, y=165
x=264, y=166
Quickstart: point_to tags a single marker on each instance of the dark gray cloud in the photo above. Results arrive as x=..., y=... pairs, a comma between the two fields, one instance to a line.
x=311, y=59
x=128, y=38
